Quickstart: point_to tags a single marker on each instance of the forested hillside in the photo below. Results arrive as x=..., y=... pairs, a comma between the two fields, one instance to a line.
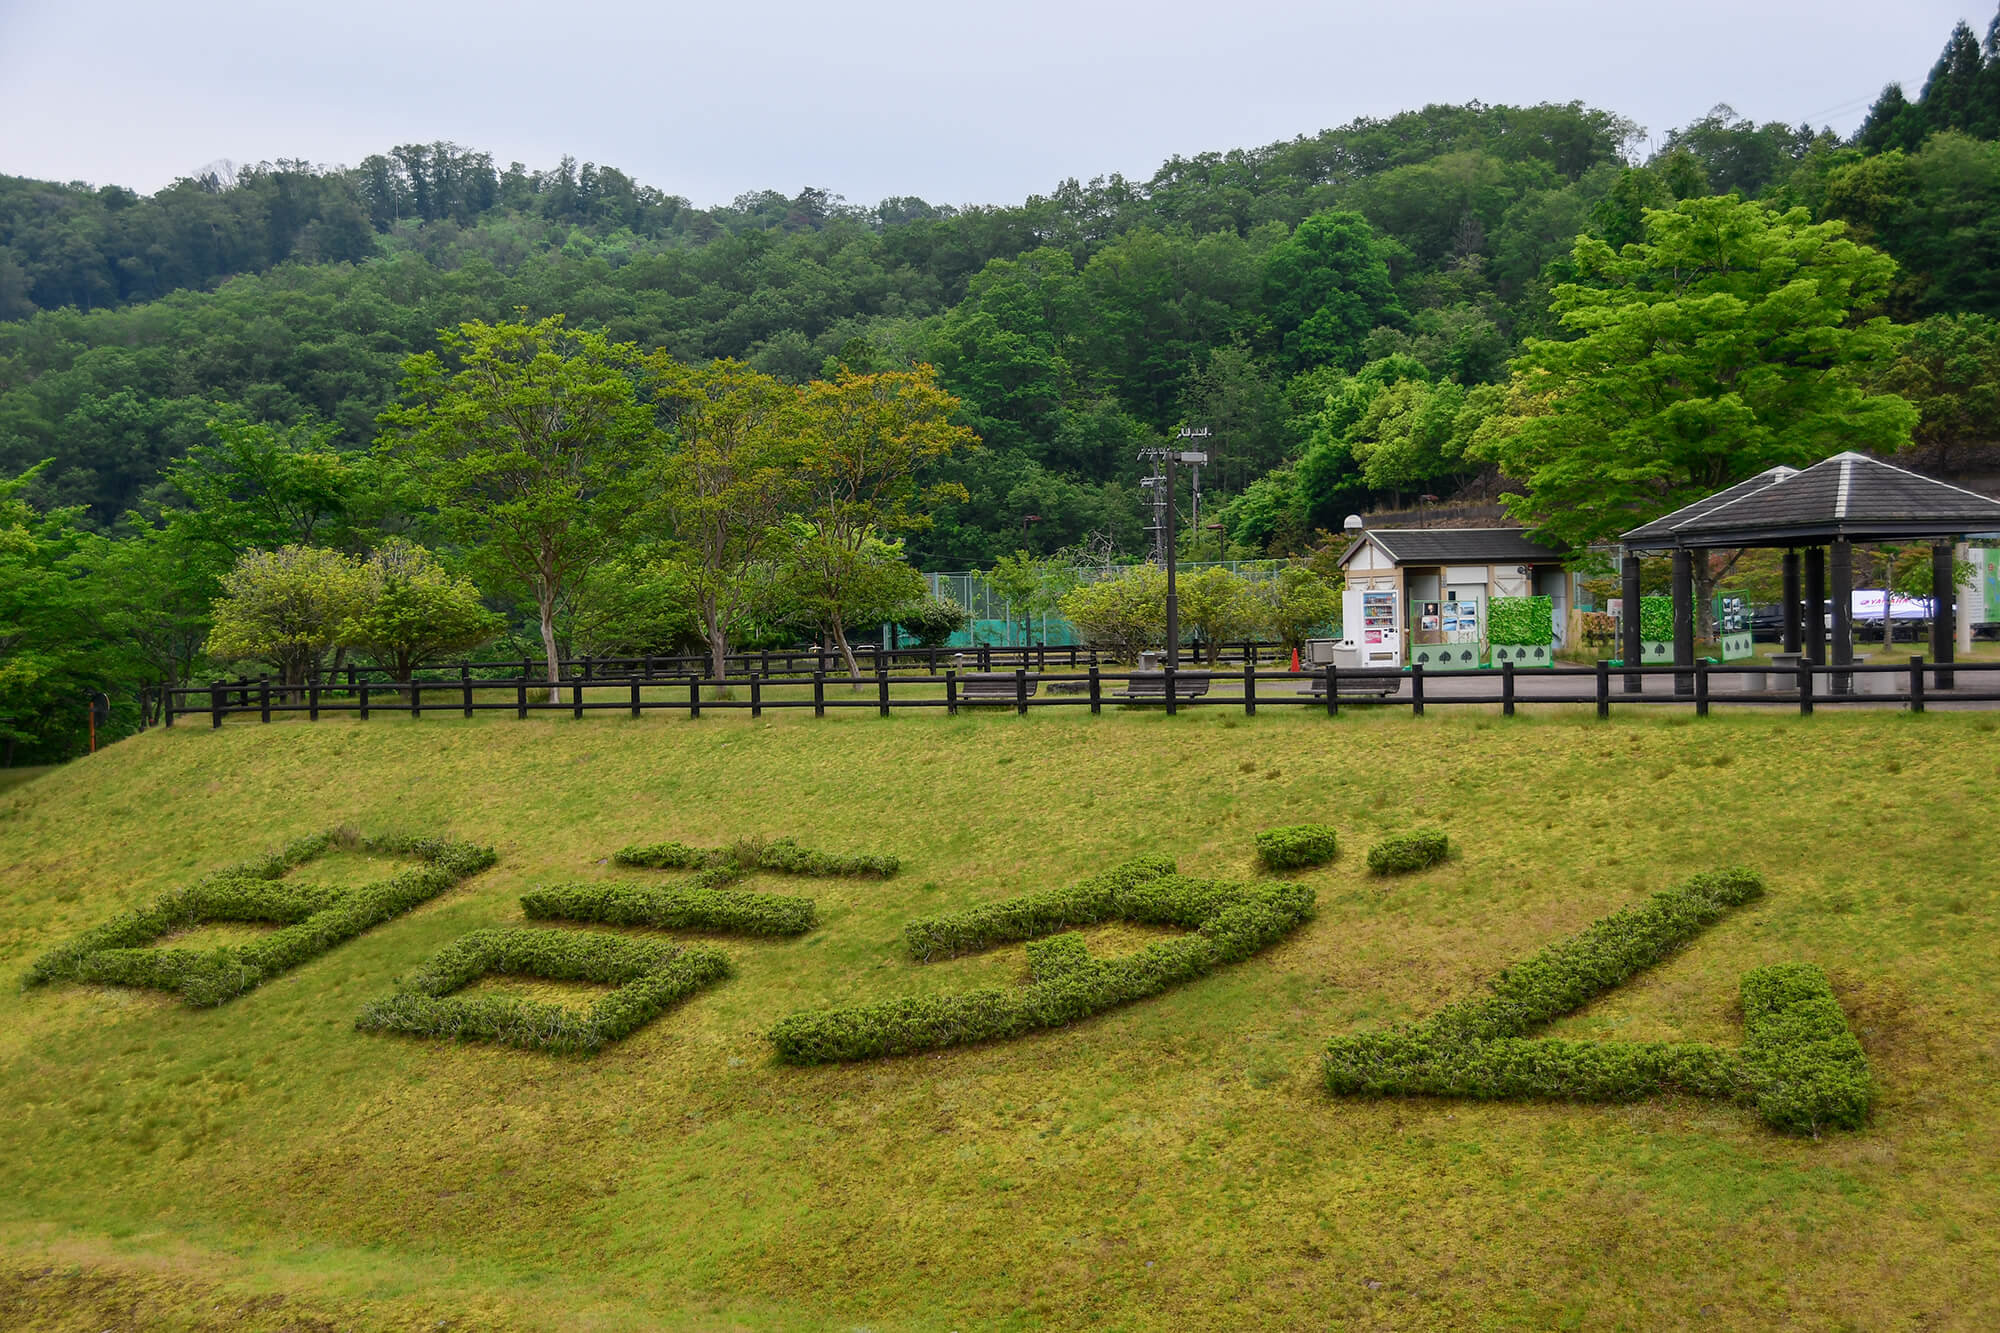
x=1355, y=315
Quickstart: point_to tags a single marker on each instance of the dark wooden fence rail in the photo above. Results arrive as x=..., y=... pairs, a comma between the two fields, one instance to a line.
x=636, y=692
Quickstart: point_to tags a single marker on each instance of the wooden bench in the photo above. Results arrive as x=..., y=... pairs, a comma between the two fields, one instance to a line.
x=1153, y=685
x=995, y=687
x=1351, y=686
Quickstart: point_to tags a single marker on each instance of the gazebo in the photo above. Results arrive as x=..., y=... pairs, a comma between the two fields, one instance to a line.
x=1820, y=512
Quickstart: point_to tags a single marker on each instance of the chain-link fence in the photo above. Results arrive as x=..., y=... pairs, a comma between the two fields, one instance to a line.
x=993, y=620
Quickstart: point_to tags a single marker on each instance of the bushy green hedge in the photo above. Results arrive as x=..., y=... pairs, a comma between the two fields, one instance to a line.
x=314, y=918
x=1526, y=621
x=1408, y=851
x=725, y=865
x=1297, y=845
x=651, y=976
x=1656, y=619
x=733, y=911
x=1230, y=922
x=1800, y=1066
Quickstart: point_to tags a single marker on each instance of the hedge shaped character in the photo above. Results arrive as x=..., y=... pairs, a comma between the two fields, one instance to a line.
x=1799, y=1065
x=313, y=919
x=649, y=977
x=1229, y=922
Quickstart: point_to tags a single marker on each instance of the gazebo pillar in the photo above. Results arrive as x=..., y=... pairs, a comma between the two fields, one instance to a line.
x=1791, y=640
x=1841, y=594
x=1813, y=645
x=1944, y=627
x=1683, y=620
x=1631, y=641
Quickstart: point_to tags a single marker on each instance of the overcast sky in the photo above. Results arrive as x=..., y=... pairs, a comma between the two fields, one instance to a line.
x=956, y=102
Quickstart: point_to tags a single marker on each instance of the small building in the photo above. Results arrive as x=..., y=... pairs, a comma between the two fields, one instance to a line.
x=1421, y=594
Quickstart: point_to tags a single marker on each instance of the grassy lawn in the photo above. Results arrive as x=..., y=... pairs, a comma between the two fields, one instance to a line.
x=1173, y=1164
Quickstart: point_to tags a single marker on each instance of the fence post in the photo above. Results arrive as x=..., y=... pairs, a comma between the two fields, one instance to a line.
x=951, y=691
x=1604, y=687
x=576, y=699
x=694, y=696
x=416, y=698
x=167, y=704
x=1917, y=683
x=1173, y=690
x=1805, y=689
x=819, y=691
x=1701, y=687
x=1020, y=690
x=882, y=686
x=218, y=702
x=1249, y=688
x=1096, y=691
x=361, y=689
x=1416, y=689
x=586, y=666
x=1041, y=657
x=1332, y=690
x=465, y=681
x=1507, y=688
x=263, y=698
x=635, y=696
x=521, y=697
x=756, y=695
x=312, y=701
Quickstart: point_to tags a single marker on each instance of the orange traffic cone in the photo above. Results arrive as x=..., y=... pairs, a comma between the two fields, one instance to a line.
x=1295, y=659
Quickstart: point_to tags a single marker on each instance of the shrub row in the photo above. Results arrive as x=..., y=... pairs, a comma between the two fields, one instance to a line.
x=1408, y=851
x=651, y=976
x=314, y=918
x=1297, y=846
x=720, y=866
x=671, y=908
x=1800, y=1064
x=1230, y=921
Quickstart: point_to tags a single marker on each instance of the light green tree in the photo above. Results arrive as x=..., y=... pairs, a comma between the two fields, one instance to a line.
x=1731, y=339
x=1032, y=585
x=534, y=448
x=1299, y=603
x=1123, y=615
x=415, y=611
x=288, y=608
x=737, y=441
x=1217, y=605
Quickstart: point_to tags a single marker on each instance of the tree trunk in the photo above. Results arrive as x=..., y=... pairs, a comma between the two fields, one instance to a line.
x=718, y=642
x=545, y=601
x=846, y=651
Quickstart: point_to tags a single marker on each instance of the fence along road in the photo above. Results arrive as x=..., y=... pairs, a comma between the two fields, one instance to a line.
x=630, y=686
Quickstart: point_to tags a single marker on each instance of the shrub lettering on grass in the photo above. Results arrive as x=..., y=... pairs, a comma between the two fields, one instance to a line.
x=1799, y=1065
x=1296, y=846
x=649, y=977
x=1229, y=922
x=312, y=918
x=1407, y=852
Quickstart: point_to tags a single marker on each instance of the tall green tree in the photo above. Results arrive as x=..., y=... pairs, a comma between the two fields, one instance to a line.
x=733, y=475
x=871, y=441
x=414, y=611
x=288, y=608
x=1731, y=339
x=1325, y=287
x=535, y=451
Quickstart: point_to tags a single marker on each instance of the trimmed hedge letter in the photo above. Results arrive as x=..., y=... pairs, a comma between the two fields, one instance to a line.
x=649, y=976
x=315, y=918
x=1229, y=922
x=1799, y=1064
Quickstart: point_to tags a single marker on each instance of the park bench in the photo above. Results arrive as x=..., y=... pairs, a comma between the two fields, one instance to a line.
x=995, y=687
x=1153, y=685
x=1351, y=687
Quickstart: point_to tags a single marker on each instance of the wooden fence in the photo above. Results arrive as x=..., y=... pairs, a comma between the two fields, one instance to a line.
x=1915, y=684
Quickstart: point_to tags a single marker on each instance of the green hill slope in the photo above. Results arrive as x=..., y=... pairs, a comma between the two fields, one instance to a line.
x=1173, y=1163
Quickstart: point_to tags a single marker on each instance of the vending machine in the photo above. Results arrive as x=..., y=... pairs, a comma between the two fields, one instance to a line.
x=1374, y=622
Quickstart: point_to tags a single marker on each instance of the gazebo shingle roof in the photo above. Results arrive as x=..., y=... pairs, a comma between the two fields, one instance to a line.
x=1850, y=496
x=1459, y=546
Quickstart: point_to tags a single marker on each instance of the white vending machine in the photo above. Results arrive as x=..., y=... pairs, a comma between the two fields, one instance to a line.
x=1373, y=622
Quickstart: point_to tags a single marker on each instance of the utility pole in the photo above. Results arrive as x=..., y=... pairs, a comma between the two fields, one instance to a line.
x=1164, y=505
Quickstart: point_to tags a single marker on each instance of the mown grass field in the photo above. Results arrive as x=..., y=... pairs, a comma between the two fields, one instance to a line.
x=1174, y=1164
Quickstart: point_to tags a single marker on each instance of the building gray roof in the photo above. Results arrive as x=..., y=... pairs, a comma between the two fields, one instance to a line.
x=1850, y=496
x=1459, y=546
